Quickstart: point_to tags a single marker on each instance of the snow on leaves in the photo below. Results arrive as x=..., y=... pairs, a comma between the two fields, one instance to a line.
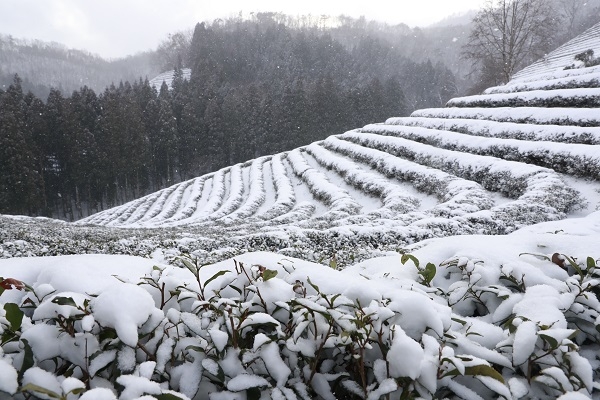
x=469, y=327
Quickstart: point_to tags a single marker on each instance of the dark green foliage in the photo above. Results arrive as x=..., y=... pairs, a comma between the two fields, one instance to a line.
x=20, y=181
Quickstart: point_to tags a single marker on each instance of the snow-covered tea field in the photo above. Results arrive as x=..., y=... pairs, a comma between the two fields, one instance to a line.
x=450, y=254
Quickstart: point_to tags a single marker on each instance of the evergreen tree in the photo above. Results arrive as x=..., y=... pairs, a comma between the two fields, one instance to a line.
x=21, y=187
x=165, y=142
x=395, y=102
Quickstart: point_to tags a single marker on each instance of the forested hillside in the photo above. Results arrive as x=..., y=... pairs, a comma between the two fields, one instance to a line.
x=45, y=65
x=257, y=87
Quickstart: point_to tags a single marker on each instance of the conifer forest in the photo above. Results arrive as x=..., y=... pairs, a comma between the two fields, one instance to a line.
x=257, y=87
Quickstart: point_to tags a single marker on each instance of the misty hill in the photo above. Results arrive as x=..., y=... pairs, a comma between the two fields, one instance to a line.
x=43, y=65
x=487, y=164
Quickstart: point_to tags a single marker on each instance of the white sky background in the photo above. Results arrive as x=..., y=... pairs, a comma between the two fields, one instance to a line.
x=116, y=28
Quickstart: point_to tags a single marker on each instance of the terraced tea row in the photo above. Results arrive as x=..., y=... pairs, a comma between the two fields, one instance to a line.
x=408, y=174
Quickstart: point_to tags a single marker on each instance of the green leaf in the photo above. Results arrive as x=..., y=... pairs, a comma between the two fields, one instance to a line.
x=191, y=267
x=14, y=315
x=406, y=257
x=107, y=334
x=575, y=266
x=30, y=387
x=335, y=297
x=215, y=276
x=484, y=370
x=269, y=274
x=64, y=301
x=549, y=339
x=473, y=334
x=591, y=264
x=540, y=256
x=167, y=396
x=77, y=390
x=333, y=263
x=28, y=361
x=196, y=348
x=428, y=273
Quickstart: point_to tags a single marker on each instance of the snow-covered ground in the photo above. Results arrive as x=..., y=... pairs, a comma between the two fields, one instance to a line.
x=167, y=77
x=490, y=316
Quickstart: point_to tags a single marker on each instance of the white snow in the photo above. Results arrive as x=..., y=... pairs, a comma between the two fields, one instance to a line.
x=8, y=378
x=123, y=307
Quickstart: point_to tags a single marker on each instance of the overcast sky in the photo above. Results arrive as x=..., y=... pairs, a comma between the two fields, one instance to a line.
x=116, y=28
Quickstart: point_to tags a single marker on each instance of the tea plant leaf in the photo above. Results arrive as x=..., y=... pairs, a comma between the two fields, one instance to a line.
x=591, y=264
x=237, y=289
x=550, y=340
x=167, y=396
x=14, y=315
x=269, y=274
x=64, y=301
x=30, y=387
x=28, y=360
x=253, y=393
x=428, y=273
x=406, y=257
x=215, y=276
x=313, y=285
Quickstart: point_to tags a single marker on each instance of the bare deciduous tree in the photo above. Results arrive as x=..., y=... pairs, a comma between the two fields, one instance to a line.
x=509, y=34
x=173, y=49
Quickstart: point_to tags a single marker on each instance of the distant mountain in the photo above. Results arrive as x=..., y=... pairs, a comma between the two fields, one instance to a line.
x=463, y=18
x=42, y=65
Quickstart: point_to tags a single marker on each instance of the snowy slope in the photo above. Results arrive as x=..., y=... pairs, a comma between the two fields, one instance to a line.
x=555, y=62
x=490, y=164
x=167, y=77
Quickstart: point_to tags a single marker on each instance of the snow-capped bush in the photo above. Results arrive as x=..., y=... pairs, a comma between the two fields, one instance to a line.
x=339, y=201
x=460, y=329
x=576, y=97
x=256, y=195
x=285, y=196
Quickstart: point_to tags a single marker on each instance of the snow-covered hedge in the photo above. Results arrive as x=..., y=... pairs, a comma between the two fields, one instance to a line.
x=267, y=327
x=175, y=202
x=525, y=115
x=256, y=195
x=285, y=196
x=525, y=181
x=459, y=196
x=234, y=197
x=392, y=196
x=195, y=196
x=321, y=188
x=573, y=159
x=578, y=97
x=504, y=130
x=589, y=78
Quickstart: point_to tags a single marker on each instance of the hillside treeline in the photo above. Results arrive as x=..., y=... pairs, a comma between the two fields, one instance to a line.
x=257, y=88
x=44, y=65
